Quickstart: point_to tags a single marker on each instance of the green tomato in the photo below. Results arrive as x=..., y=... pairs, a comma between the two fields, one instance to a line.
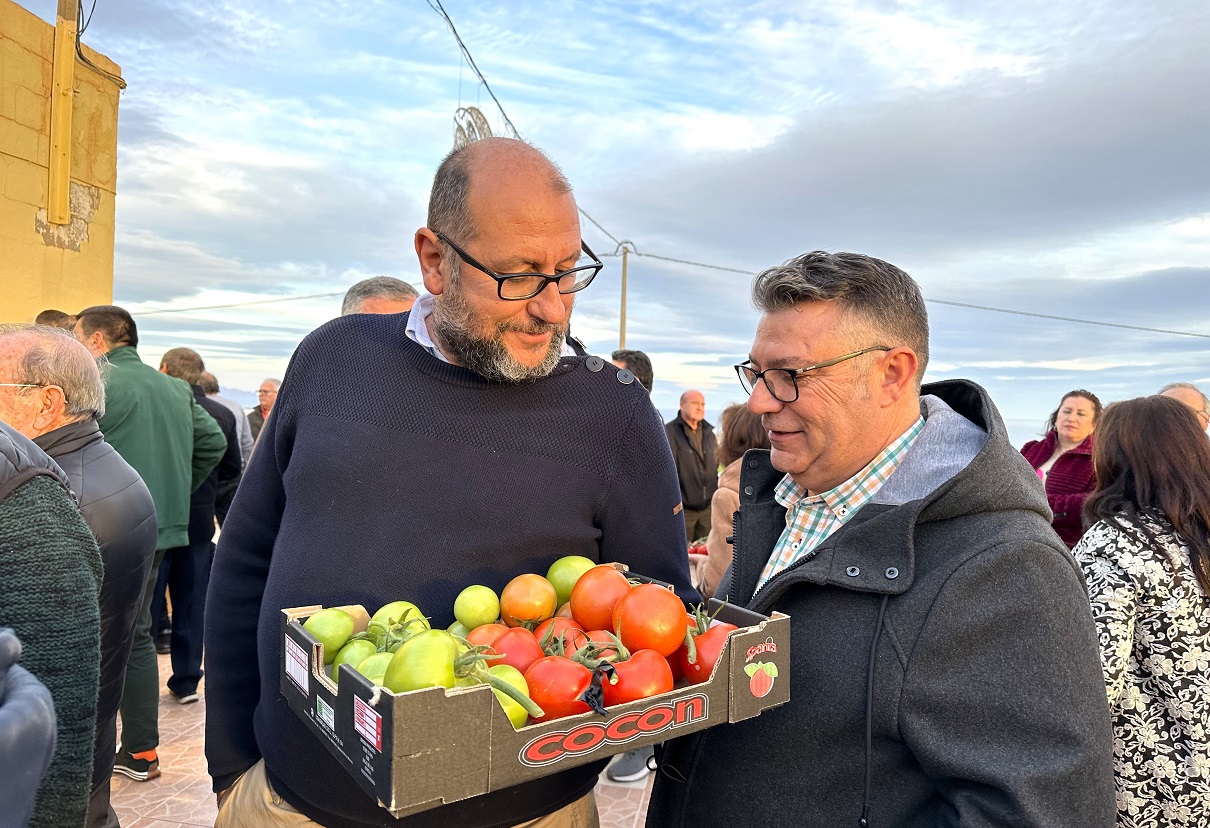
x=457, y=628
x=332, y=628
x=399, y=612
x=352, y=654
x=564, y=573
x=476, y=605
x=515, y=712
x=425, y=660
x=374, y=667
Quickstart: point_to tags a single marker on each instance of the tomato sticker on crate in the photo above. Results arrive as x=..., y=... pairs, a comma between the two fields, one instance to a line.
x=296, y=665
x=367, y=723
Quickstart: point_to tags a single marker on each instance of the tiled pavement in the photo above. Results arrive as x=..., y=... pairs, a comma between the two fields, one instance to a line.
x=181, y=795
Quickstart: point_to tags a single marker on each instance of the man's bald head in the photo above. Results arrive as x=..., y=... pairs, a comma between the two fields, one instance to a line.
x=489, y=163
x=1192, y=396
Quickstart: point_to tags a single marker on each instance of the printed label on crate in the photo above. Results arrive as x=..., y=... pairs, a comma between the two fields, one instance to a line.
x=368, y=723
x=296, y=665
x=551, y=747
x=325, y=712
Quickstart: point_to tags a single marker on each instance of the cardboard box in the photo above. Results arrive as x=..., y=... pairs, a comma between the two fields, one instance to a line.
x=419, y=750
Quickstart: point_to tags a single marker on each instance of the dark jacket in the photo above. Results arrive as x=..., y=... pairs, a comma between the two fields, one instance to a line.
x=987, y=706
x=155, y=424
x=227, y=472
x=1068, y=483
x=50, y=577
x=256, y=419
x=27, y=733
x=118, y=509
x=697, y=470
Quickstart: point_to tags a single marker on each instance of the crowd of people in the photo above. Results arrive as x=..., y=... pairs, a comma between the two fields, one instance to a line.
x=980, y=635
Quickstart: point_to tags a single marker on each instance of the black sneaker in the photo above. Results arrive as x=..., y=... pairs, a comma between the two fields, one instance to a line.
x=631, y=766
x=163, y=643
x=184, y=698
x=140, y=766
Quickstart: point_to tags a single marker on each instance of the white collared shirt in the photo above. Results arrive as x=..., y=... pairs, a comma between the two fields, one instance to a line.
x=417, y=330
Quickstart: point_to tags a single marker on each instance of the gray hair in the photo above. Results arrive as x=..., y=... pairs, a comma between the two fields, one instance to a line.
x=385, y=287
x=868, y=290
x=276, y=382
x=1188, y=386
x=53, y=356
x=449, y=200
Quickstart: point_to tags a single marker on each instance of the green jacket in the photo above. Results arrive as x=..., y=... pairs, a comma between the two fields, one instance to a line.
x=156, y=425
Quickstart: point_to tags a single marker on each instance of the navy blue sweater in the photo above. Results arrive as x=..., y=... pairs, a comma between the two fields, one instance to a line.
x=385, y=473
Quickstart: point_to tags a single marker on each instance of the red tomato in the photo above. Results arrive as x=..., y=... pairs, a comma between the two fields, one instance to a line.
x=565, y=628
x=595, y=595
x=556, y=685
x=527, y=599
x=602, y=637
x=650, y=617
x=519, y=648
x=674, y=660
x=646, y=673
x=564, y=610
x=709, y=647
x=486, y=635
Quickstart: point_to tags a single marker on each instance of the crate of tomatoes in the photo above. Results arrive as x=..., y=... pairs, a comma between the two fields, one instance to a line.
x=546, y=674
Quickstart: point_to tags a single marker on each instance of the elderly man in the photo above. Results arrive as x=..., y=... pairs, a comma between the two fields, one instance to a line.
x=155, y=424
x=492, y=449
x=266, y=396
x=1192, y=396
x=693, y=448
x=944, y=665
x=58, y=408
x=379, y=294
x=50, y=577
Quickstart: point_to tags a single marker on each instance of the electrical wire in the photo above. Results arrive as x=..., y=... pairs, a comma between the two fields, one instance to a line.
x=436, y=6
x=242, y=304
x=81, y=25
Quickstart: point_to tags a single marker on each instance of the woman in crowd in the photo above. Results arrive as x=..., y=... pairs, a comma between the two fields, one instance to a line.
x=1063, y=459
x=1147, y=561
x=741, y=431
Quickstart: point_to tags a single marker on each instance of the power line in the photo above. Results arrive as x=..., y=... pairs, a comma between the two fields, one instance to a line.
x=1068, y=319
x=242, y=304
x=436, y=6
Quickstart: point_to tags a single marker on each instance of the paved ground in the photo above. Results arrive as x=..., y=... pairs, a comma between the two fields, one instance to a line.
x=181, y=795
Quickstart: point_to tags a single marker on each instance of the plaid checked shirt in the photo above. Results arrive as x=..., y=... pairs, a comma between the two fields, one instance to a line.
x=811, y=520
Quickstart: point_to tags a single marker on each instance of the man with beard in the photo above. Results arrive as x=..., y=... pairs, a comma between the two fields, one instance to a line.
x=493, y=448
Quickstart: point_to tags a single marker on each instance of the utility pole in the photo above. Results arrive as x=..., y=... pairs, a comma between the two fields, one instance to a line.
x=624, y=247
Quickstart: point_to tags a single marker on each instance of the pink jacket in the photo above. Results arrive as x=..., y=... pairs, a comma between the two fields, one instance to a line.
x=1068, y=484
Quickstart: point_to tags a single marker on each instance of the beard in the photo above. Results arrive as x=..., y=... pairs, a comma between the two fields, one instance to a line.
x=457, y=333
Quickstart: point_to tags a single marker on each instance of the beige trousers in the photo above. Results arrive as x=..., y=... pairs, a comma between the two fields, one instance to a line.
x=252, y=803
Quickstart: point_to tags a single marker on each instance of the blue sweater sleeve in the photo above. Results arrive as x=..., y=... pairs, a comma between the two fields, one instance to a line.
x=641, y=524
x=233, y=602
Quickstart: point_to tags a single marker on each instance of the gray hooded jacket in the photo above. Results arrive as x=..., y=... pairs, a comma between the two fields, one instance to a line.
x=951, y=590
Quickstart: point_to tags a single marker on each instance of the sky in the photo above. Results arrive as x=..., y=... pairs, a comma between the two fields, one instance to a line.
x=1041, y=157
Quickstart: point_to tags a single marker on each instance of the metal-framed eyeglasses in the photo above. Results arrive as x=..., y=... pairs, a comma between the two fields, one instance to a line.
x=782, y=383
x=518, y=286
x=23, y=385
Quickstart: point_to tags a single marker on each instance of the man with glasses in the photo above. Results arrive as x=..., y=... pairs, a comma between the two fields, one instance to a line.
x=266, y=396
x=492, y=447
x=944, y=664
x=1192, y=396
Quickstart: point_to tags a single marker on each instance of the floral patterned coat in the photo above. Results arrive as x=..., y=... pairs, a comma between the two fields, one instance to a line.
x=1153, y=622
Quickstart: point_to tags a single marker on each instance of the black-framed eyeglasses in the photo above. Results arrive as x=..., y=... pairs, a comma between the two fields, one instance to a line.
x=517, y=286
x=782, y=383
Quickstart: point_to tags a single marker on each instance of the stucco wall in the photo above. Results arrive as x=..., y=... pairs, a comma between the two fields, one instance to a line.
x=67, y=267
